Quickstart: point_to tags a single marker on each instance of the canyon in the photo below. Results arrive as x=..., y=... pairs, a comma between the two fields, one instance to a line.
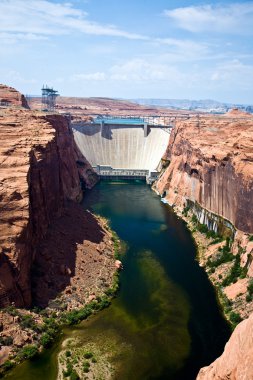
x=40, y=190
x=50, y=248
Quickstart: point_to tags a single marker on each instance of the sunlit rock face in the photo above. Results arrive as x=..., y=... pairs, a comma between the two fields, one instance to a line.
x=236, y=361
x=11, y=97
x=211, y=163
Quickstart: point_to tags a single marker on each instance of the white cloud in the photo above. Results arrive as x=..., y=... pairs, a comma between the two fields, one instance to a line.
x=233, y=73
x=45, y=18
x=12, y=38
x=133, y=70
x=235, y=18
x=185, y=50
x=143, y=71
x=98, y=76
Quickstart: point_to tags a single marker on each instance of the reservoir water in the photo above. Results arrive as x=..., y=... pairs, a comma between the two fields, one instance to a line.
x=165, y=322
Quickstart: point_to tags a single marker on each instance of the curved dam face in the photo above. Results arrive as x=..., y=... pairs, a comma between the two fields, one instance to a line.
x=122, y=146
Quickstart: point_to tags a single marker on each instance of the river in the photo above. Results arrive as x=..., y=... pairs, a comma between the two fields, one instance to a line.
x=165, y=322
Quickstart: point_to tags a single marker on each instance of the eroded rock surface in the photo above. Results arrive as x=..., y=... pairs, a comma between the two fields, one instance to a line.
x=38, y=173
x=211, y=162
x=11, y=97
x=236, y=361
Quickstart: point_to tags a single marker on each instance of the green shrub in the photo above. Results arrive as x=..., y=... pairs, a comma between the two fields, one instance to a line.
x=12, y=311
x=235, y=318
x=28, y=352
x=223, y=257
x=250, y=287
x=216, y=240
x=6, y=340
x=46, y=340
x=27, y=322
x=202, y=228
x=186, y=210
x=8, y=365
x=235, y=272
x=86, y=366
x=212, y=234
x=74, y=375
x=68, y=354
x=102, y=303
x=251, y=238
x=69, y=370
x=248, y=298
x=51, y=323
x=194, y=219
x=88, y=355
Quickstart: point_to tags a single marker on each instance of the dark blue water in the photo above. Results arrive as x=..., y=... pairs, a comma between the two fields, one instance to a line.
x=161, y=256
x=165, y=322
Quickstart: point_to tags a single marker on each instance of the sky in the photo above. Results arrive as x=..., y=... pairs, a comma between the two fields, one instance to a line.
x=129, y=48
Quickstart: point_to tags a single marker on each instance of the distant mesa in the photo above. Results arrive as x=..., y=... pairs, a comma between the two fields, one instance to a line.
x=237, y=112
x=205, y=105
x=11, y=97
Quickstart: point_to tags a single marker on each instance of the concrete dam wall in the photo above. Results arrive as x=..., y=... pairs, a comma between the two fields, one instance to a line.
x=122, y=146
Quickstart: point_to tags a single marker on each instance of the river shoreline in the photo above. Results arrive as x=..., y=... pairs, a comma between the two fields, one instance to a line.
x=157, y=292
x=206, y=247
x=43, y=327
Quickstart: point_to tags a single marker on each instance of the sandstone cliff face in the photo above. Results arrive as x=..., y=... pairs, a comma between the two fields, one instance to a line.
x=10, y=96
x=211, y=163
x=210, y=168
x=236, y=361
x=38, y=173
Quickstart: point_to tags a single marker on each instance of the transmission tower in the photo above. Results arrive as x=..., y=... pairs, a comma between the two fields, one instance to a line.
x=48, y=97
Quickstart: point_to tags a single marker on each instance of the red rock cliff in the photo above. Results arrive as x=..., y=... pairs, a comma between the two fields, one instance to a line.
x=211, y=163
x=10, y=96
x=236, y=361
x=38, y=172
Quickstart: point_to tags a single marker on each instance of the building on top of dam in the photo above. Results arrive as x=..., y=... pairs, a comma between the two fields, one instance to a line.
x=125, y=148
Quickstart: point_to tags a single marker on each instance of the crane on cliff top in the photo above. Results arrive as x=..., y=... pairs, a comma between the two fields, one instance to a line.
x=49, y=97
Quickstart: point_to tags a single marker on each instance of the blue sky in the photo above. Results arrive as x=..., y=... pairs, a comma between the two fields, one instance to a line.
x=129, y=49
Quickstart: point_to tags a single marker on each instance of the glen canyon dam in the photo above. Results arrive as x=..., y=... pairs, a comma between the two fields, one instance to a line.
x=126, y=190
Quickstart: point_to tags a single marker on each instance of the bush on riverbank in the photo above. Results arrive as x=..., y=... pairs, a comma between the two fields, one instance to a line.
x=224, y=256
x=28, y=352
x=249, y=296
x=50, y=322
x=235, y=272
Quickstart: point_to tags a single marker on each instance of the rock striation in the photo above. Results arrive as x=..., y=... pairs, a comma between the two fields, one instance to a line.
x=236, y=361
x=11, y=97
x=38, y=174
x=211, y=163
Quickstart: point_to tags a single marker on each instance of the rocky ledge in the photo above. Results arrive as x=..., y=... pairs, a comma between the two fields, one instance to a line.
x=11, y=97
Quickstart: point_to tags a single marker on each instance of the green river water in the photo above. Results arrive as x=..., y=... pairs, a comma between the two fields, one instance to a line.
x=165, y=322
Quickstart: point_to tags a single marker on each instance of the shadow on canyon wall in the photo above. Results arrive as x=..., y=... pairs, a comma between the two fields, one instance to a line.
x=55, y=258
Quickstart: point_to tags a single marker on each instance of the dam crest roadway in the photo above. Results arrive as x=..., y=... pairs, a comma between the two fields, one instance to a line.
x=125, y=147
